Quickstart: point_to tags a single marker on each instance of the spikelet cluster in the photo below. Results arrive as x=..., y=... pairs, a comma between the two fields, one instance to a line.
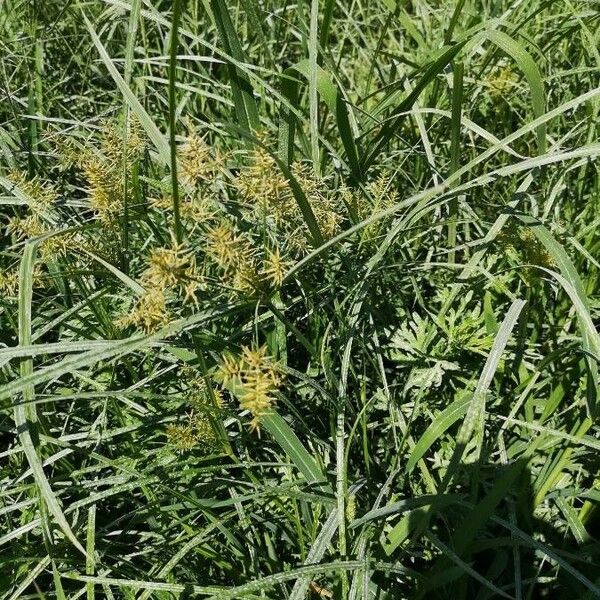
x=9, y=280
x=255, y=378
x=226, y=247
x=170, y=271
x=268, y=195
x=108, y=168
x=174, y=269
x=275, y=268
x=243, y=267
x=264, y=187
x=106, y=162
x=501, y=81
x=27, y=227
x=196, y=431
x=123, y=146
x=66, y=150
x=380, y=196
x=236, y=257
x=197, y=209
x=149, y=312
x=202, y=397
x=42, y=197
x=523, y=241
x=197, y=164
x=206, y=404
x=323, y=201
x=105, y=188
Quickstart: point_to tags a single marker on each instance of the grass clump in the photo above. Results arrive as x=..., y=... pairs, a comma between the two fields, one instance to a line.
x=299, y=300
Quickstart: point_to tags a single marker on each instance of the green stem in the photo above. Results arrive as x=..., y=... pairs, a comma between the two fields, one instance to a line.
x=172, y=107
x=457, y=97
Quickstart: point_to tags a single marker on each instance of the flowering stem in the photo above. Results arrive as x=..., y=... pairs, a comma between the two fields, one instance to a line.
x=172, y=108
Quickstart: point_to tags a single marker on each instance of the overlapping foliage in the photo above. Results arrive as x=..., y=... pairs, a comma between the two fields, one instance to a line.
x=299, y=300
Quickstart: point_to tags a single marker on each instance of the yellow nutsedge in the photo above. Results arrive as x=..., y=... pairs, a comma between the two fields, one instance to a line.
x=222, y=244
x=229, y=369
x=254, y=358
x=149, y=313
x=256, y=379
x=122, y=144
x=105, y=188
x=324, y=203
x=246, y=275
x=196, y=161
x=275, y=267
x=198, y=429
x=502, y=81
x=169, y=267
x=9, y=280
x=27, y=227
x=182, y=436
x=41, y=195
x=173, y=268
x=235, y=256
x=264, y=186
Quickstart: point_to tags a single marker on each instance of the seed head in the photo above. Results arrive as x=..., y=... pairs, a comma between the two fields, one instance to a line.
x=182, y=436
x=196, y=161
x=149, y=313
x=264, y=187
x=105, y=188
x=41, y=195
x=502, y=81
x=275, y=267
x=255, y=377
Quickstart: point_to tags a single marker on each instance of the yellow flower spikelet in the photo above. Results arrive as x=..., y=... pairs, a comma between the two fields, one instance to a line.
x=265, y=188
x=196, y=161
x=149, y=312
x=41, y=217
x=256, y=379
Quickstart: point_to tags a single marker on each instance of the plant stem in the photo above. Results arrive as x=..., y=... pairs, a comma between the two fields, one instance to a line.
x=172, y=108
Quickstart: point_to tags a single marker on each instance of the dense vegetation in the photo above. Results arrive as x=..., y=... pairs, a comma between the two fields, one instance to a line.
x=298, y=300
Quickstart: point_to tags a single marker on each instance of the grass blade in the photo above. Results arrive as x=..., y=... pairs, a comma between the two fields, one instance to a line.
x=25, y=413
x=241, y=88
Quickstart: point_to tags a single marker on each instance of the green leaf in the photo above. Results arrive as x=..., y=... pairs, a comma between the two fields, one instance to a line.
x=316, y=553
x=299, y=455
x=442, y=422
x=434, y=500
x=474, y=419
x=395, y=120
x=241, y=87
x=532, y=74
x=25, y=412
x=333, y=99
x=572, y=284
x=156, y=137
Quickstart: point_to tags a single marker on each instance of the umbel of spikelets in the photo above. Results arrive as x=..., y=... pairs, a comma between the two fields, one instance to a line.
x=255, y=378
